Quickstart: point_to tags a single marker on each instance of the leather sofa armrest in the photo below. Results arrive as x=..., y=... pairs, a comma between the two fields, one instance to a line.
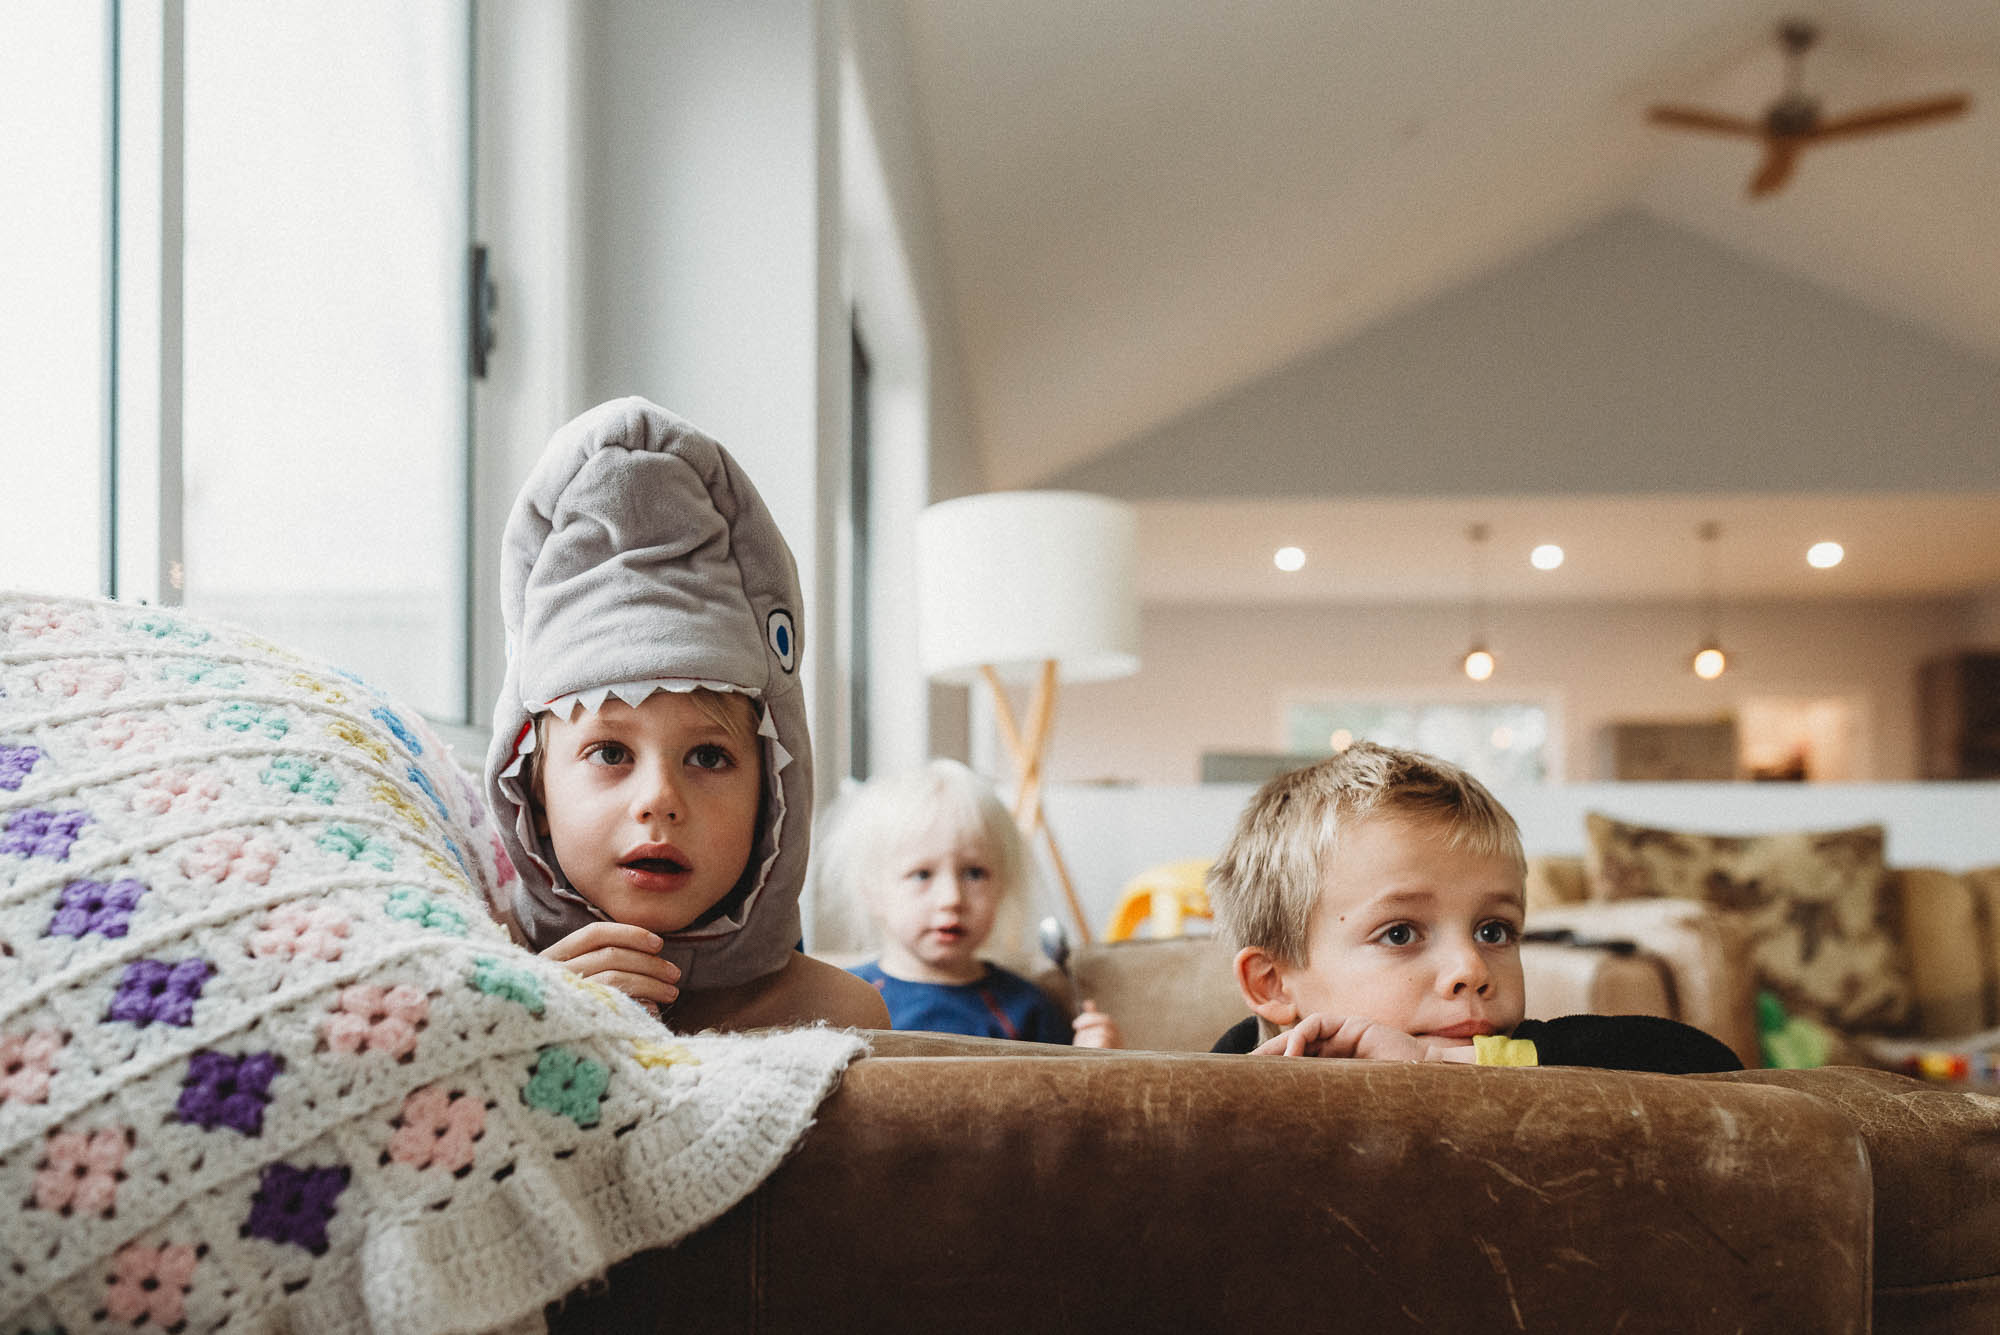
x=1108, y=1191
x=1935, y=1158
x=921, y=1043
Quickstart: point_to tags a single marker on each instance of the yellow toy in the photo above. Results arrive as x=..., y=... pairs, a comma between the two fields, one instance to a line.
x=1166, y=896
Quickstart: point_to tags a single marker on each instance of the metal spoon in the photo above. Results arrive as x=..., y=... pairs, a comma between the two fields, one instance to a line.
x=1055, y=944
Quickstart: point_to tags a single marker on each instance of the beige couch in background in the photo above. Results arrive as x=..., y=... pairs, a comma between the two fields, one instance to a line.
x=1947, y=925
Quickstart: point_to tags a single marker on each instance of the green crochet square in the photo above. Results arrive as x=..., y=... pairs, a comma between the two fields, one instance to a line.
x=302, y=777
x=246, y=718
x=425, y=910
x=499, y=980
x=567, y=1084
x=347, y=842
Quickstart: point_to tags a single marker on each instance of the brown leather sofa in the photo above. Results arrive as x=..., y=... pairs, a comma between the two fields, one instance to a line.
x=972, y=1184
x=955, y=1183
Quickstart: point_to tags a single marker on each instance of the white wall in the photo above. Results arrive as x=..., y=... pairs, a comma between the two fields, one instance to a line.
x=700, y=237
x=926, y=441
x=922, y=434
x=1214, y=678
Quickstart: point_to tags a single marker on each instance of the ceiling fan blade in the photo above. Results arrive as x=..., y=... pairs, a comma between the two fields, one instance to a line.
x=1897, y=116
x=1780, y=157
x=1693, y=118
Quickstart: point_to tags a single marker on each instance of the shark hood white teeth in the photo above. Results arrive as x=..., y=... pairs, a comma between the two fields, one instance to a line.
x=638, y=558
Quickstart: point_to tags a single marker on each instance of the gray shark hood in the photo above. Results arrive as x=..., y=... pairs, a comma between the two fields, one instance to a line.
x=639, y=557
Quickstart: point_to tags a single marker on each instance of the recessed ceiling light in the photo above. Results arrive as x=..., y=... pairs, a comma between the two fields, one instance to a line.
x=1289, y=558
x=1825, y=555
x=1546, y=557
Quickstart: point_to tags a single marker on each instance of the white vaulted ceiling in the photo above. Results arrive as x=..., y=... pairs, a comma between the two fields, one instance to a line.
x=1146, y=208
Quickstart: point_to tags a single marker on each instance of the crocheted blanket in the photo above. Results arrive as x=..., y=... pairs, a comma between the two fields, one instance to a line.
x=264, y=1057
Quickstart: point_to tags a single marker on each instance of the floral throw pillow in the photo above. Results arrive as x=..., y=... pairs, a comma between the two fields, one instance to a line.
x=1823, y=928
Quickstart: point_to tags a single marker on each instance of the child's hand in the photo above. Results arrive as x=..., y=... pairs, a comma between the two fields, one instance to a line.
x=1319, y=1035
x=622, y=956
x=1094, y=1029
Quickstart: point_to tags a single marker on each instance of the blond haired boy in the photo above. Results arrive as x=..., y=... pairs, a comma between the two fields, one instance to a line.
x=1377, y=900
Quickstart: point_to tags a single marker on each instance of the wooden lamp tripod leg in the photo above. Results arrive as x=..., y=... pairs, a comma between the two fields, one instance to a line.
x=1027, y=752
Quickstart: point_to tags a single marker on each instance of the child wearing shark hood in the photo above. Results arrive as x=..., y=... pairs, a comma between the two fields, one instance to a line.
x=650, y=768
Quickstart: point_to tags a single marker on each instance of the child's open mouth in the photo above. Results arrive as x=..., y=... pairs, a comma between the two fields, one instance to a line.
x=656, y=866
x=656, y=872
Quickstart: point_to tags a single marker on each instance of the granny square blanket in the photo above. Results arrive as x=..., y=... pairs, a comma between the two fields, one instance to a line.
x=265, y=1060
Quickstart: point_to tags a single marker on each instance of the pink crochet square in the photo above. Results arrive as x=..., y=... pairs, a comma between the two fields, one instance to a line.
x=377, y=1019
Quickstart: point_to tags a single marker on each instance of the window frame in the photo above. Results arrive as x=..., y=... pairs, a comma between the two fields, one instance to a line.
x=143, y=505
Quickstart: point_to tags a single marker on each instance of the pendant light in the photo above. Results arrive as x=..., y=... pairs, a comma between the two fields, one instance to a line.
x=1478, y=662
x=1709, y=660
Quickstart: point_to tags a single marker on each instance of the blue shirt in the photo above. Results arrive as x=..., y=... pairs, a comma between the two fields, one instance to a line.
x=1000, y=1005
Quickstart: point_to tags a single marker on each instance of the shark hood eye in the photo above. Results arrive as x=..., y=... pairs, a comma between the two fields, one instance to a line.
x=784, y=638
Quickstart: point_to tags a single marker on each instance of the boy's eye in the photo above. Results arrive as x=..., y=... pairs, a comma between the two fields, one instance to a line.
x=607, y=753
x=1398, y=934
x=975, y=873
x=917, y=874
x=710, y=756
x=1495, y=932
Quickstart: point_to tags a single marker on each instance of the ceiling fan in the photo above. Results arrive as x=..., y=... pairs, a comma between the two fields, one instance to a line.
x=1793, y=123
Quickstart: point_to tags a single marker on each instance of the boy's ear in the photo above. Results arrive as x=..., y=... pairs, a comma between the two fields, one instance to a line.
x=1261, y=980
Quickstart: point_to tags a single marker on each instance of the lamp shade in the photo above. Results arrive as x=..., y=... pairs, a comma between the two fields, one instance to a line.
x=1009, y=579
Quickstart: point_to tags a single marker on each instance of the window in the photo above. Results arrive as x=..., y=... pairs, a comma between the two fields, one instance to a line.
x=55, y=71
x=323, y=450
x=286, y=386
x=1503, y=744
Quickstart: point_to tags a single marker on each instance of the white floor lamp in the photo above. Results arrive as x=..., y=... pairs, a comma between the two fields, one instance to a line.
x=1029, y=588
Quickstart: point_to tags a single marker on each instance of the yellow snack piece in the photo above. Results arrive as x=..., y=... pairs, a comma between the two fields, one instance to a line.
x=1500, y=1050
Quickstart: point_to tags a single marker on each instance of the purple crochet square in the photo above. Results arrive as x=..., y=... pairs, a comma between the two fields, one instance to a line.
x=221, y=1090
x=41, y=833
x=15, y=762
x=156, y=990
x=294, y=1204
x=93, y=906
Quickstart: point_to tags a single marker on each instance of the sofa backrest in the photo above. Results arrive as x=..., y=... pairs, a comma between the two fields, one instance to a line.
x=1172, y=995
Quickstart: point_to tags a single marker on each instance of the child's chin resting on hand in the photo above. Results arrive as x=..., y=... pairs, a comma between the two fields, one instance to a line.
x=1377, y=901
